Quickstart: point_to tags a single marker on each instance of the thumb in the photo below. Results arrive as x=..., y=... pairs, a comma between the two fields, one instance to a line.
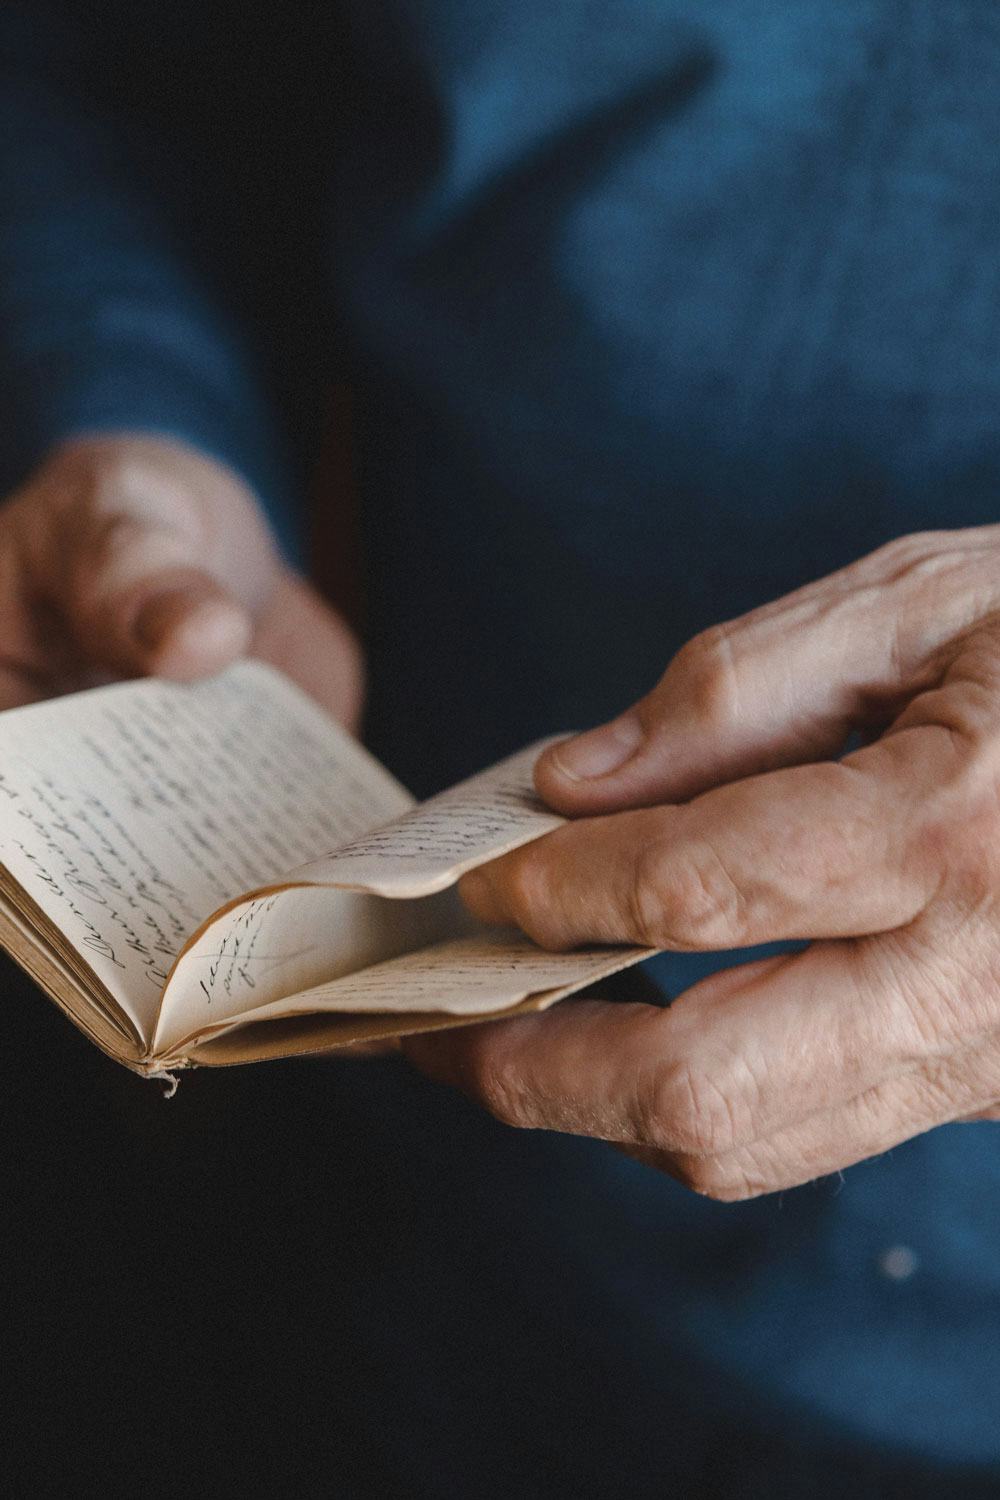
x=186, y=626
x=783, y=685
x=146, y=608
x=724, y=709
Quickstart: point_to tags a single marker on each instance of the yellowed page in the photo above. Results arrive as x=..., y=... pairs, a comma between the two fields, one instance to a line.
x=287, y=939
x=474, y=976
x=321, y=940
x=330, y=918
x=130, y=813
x=429, y=847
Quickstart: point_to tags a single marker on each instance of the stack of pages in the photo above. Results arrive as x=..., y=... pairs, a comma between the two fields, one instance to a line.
x=219, y=874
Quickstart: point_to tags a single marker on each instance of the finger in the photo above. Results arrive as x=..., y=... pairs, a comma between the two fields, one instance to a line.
x=788, y=682
x=36, y=661
x=574, y=1068
x=740, y=1057
x=830, y=850
x=154, y=556
x=183, y=626
x=830, y=1140
x=18, y=687
x=299, y=633
x=140, y=603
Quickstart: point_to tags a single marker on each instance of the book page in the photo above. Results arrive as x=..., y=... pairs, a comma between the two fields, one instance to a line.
x=381, y=895
x=429, y=847
x=287, y=938
x=480, y=975
x=130, y=813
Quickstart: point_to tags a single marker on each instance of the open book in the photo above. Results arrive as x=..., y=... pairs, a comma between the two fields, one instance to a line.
x=219, y=874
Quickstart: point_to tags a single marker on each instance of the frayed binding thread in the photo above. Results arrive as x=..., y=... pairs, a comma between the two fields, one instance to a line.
x=171, y=1081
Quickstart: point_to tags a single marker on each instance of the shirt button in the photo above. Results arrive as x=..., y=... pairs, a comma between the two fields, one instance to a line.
x=898, y=1263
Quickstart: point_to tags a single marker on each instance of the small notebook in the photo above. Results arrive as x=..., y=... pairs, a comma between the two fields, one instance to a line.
x=218, y=873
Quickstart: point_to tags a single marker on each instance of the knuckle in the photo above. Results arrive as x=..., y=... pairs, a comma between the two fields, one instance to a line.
x=915, y=555
x=924, y=566
x=935, y=999
x=686, y=1110
x=516, y=880
x=959, y=832
x=967, y=706
x=529, y=890
x=705, y=669
x=689, y=902
x=646, y=915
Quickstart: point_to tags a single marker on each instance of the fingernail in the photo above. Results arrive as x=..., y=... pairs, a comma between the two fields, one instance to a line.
x=215, y=629
x=599, y=751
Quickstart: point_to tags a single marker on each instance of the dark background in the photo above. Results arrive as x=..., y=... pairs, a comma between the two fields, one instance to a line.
x=172, y=1319
x=189, y=1283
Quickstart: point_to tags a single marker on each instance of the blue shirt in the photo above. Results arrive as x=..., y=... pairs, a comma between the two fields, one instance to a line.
x=652, y=312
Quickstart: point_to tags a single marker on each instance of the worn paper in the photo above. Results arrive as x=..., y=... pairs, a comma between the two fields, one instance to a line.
x=129, y=814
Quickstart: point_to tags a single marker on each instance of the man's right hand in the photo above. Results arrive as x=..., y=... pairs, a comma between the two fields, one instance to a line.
x=128, y=555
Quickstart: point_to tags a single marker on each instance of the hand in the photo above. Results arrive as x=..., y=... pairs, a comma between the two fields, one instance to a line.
x=127, y=555
x=712, y=815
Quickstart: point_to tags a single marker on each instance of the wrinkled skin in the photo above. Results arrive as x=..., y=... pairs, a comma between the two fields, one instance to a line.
x=715, y=814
